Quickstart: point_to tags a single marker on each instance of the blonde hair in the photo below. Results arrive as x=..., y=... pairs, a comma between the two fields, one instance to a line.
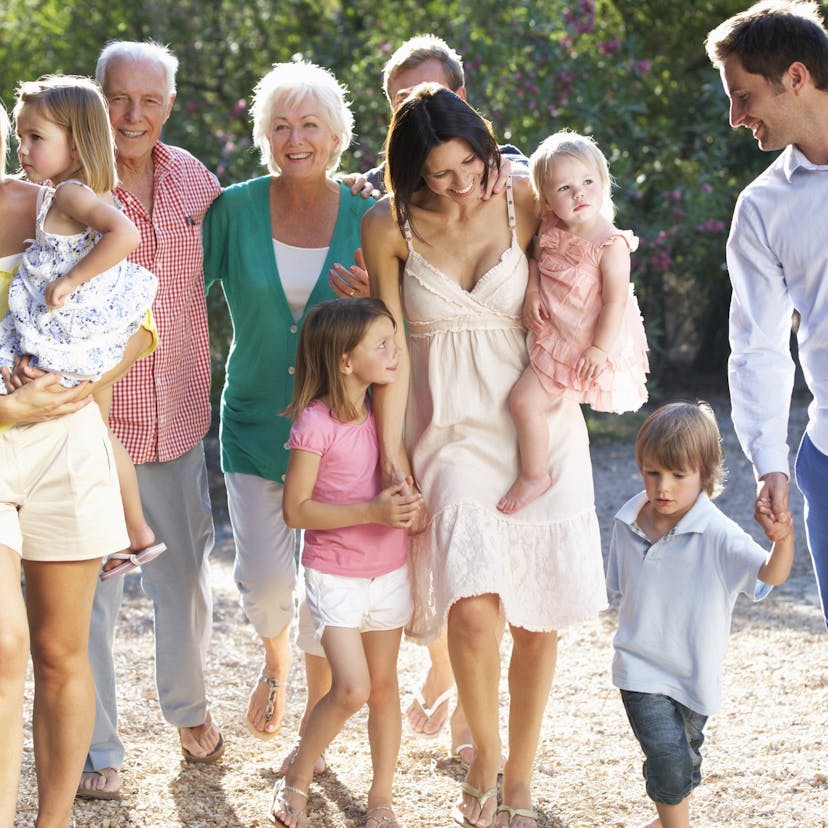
x=77, y=105
x=331, y=330
x=684, y=436
x=4, y=141
x=416, y=51
x=286, y=85
x=581, y=147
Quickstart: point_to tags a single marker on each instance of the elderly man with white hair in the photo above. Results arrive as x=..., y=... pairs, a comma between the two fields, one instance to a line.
x=161, y=412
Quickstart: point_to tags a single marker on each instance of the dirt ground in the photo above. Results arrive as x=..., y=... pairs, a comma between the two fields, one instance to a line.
x=766, y=752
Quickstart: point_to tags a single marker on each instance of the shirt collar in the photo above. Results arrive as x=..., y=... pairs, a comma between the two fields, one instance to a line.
x=696, y=520
x=793, y=159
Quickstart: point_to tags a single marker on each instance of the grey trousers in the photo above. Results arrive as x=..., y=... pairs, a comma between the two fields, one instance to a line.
x=176, y=500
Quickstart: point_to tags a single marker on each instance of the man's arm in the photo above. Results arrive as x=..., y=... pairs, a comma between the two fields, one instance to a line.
x=760, y=368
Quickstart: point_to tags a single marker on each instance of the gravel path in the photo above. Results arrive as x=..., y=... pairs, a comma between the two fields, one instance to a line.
x=765, y=755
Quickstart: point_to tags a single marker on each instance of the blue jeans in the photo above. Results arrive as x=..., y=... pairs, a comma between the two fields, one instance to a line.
x=671, y=737
x=812, y=478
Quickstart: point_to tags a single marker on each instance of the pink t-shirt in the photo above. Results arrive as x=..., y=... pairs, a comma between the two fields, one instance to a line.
x=348, y=473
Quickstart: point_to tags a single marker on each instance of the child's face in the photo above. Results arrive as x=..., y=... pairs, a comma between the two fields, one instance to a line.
x=671, y=492
x=573, y=191
x=45, y=149
x=375, y=359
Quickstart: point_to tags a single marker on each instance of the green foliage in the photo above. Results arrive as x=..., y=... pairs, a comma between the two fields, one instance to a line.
x=631, y=72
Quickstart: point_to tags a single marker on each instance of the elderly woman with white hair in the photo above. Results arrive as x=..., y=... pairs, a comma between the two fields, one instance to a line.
x=272, y=243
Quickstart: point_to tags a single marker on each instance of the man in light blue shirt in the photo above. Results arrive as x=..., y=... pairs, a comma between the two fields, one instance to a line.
x=773, y=59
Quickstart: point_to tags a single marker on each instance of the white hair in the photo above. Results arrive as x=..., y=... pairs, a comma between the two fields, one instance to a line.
x=137, y=50
x=285, y=85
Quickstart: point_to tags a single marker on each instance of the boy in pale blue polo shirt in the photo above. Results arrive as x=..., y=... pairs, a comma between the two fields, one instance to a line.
x=679, y=564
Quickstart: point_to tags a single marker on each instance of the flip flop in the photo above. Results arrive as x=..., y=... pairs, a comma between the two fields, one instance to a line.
x=100, y=793
x=132, y=560
x=482, y=798
x=211, y=758
x=382, y=816
x=443, y=698
x=527, y=813
x=279, y=799
x=457, y=754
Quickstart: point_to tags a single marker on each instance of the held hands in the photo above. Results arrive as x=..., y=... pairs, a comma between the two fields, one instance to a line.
x=771, y=511
x=398, y=505
x=590, y=364
x=352, y=281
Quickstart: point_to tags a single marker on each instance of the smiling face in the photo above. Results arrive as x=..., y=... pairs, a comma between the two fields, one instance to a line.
x=45, y=150
x=766, y=109
x=139, y=105
x=376, y=358
x=671, y=492
x=301, y=140
x=452, y=169
x=573, y=191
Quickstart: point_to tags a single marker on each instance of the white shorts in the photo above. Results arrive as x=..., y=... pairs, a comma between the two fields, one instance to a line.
x=59, y=495
x=364, y=604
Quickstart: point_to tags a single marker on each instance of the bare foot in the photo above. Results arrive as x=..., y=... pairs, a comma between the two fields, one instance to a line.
x=462, y=747
x=100, y=784
x=267, y=705
x=523, y=491
x=139, y=538
x=202, y=743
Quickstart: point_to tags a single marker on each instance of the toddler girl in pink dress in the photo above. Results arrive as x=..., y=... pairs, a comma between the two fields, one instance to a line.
x=586, y=337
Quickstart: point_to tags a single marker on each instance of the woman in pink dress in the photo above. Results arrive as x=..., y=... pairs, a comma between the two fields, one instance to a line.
x=586, y=336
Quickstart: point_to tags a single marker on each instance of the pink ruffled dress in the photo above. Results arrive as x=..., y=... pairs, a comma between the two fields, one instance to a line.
x=570, y=289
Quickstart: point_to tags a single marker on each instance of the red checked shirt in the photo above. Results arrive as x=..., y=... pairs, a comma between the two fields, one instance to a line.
x=161, y=408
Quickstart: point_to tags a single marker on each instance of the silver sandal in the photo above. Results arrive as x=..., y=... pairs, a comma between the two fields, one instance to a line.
x=273, y=685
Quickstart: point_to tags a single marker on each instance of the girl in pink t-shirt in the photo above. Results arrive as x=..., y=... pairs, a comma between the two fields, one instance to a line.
x=355, y=551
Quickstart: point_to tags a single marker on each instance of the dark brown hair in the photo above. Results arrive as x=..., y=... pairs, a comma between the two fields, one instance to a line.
x=331, y=330
x=431, y=115
x=770, y=36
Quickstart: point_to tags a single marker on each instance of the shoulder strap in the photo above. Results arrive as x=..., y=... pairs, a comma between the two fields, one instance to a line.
x=510, y=205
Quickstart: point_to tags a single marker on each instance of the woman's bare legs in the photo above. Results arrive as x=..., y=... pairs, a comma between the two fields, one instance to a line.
x=59, y=605
x=531, y=669
x=474, y=647
x=530, y=405
x=14, y=654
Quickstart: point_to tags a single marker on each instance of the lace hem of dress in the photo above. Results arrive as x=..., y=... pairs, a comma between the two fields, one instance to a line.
x=547, y=575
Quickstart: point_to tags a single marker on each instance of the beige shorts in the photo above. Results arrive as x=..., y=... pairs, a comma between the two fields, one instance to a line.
x=59, y=495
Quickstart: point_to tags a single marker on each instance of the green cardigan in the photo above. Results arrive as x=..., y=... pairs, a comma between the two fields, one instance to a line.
x=238, y=252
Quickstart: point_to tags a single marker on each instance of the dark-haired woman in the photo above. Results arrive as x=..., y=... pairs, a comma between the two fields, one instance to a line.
x=460, y=264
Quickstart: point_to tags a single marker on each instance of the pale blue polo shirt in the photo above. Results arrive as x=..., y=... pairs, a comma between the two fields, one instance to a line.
x=677, y=598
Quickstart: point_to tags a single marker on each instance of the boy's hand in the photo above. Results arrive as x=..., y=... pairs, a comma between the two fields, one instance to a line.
x=771, y=511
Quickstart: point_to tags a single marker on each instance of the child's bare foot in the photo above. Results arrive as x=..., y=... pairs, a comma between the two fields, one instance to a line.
x=523, y=491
